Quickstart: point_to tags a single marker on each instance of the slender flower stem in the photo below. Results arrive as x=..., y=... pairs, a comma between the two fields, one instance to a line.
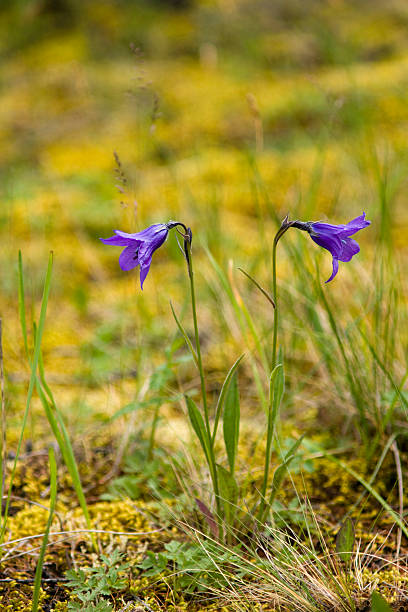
x=274, y=295
x=197, y=342
x=212, y=466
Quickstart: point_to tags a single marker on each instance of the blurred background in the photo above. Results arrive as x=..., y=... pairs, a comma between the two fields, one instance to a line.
x=226, y=115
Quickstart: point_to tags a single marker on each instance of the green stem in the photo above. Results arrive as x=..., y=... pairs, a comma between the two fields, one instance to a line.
x=197, y=342
x=274, y=295
x=213, y=466
x=286, y=224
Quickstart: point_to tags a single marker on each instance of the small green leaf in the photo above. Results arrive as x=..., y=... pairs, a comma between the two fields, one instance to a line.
x=378, y=603
x=345, y=540
x=221, y=397
x=228, y=492
x=197, y=423
x=276, y=389
x=231, y=421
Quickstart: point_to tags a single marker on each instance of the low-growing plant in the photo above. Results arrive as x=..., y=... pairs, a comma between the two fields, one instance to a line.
x=94, y=587
x=138, y=251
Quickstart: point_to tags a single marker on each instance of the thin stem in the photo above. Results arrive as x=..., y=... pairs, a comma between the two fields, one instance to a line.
x=3, y=455
x=274, y=295
x=197, y=342
x=213, y=466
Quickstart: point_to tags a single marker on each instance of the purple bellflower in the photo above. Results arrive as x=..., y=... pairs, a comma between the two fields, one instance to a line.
x=335, y=238
x=139, y=247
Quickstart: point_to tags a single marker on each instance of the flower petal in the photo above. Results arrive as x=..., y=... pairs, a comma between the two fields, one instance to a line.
x=349, y=248
x=326, y=229
x=335, y=270
x=129, y=258
x=144, y=270
x=330, y=242
x=117, y=240
x=356, y=225
x=149, y=233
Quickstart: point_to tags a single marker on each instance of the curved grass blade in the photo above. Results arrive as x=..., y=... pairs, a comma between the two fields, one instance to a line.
x=185, y=336
x=230, y=421
x=33, y=376
x=261, y=289
x=401, y=524
x=40, y=562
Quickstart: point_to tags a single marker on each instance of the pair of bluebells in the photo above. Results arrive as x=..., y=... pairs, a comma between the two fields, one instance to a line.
x=139, y=247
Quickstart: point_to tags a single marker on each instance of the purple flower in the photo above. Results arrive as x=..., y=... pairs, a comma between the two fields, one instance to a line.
x=335, y=238
x=140, y=246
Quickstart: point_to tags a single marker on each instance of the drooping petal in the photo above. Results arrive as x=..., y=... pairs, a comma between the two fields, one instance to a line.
x=335, y=269
x=349, y=248
x=146, y=250
x=129, y=258
x=117, y=240
x=144, y=270
x=356, y=225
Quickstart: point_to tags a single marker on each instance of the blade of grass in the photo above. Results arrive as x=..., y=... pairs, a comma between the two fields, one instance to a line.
x=53, y=415
x=372, y=491
x=185, y=336
x=40, y=562
x=3, y=450
x=61, y=434
x=37, y=347
x=241, y=322
x=351, y=380
x=276, y=388
x=21, y=302
x=261, y=289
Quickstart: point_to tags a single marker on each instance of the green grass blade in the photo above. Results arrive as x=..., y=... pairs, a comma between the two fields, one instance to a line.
x=33, y=376
x=21, y=303
x=3, y=448
x=228, y=493
x=276, y=389
x=231, y=419
x=349, y=373
x=241, y=322
x=40, y=562
x=387, y=374
x=185, y=335
x=282, y=470
x=61, y=434
x=401, y=524
x=261, y=289
x=200, y=430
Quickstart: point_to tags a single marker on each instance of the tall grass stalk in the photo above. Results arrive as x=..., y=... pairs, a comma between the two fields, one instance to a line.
x=398, y=519
x=32, y=382
x=50, y=408
x=53, y=499
x=204, y=433
x=3, y=449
